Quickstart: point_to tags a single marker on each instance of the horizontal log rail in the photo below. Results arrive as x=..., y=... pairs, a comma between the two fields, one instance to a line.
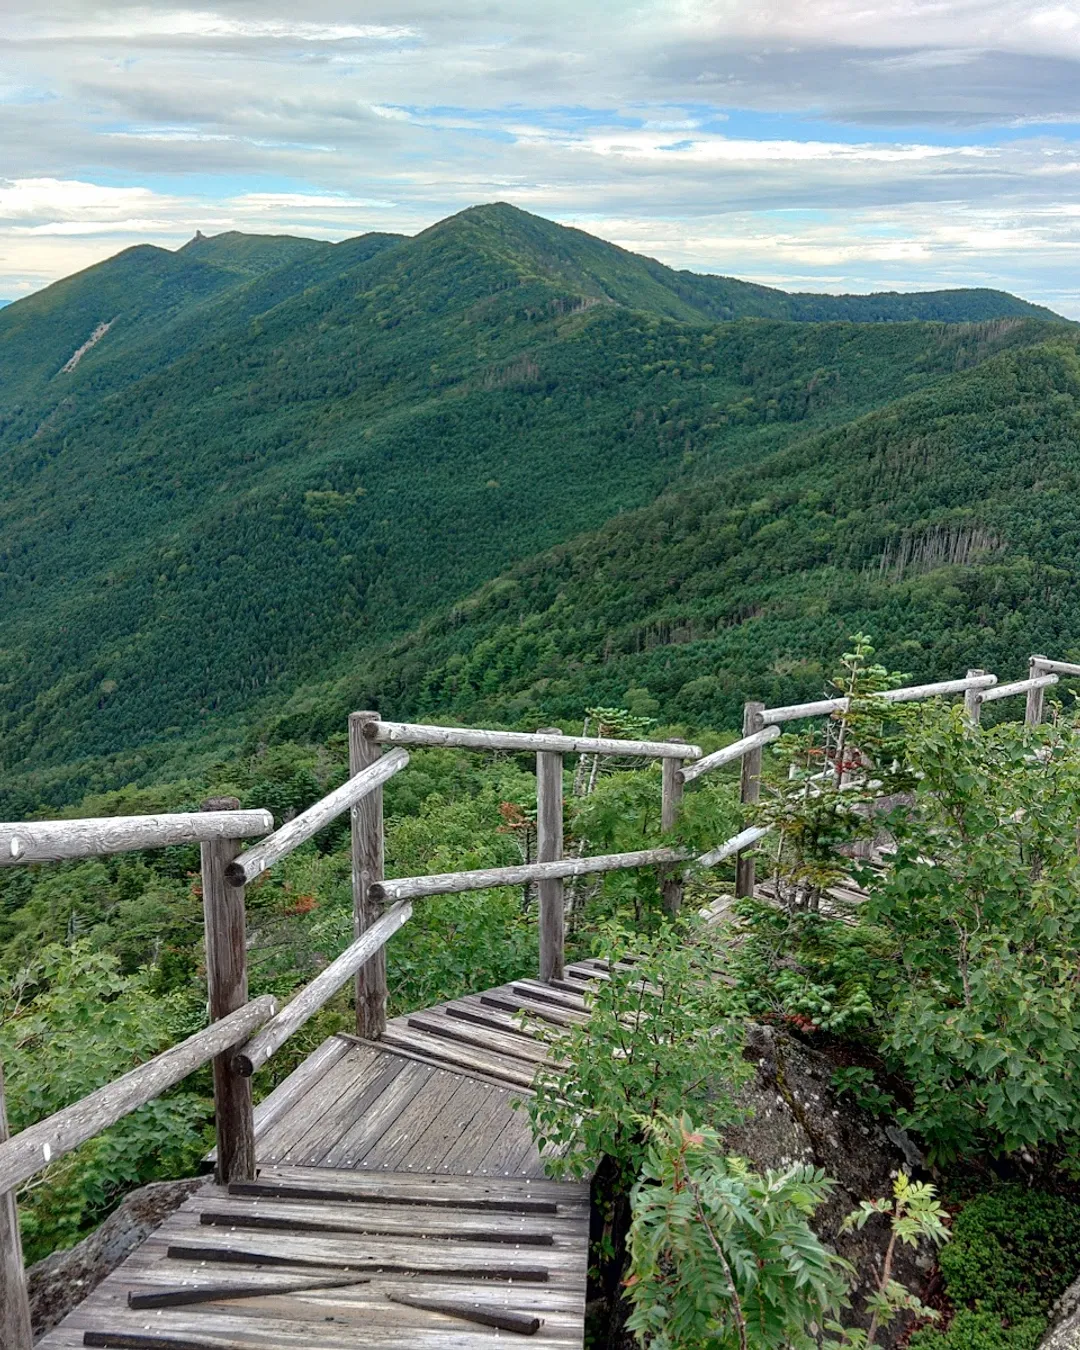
x=745, y=839
x=297, y=831
x=469, y=738
x=1051, y=667
x=38, y=1145
x=910, y=694
x=38, y=841
x=728, y=754
x=1017, y=687
x=315, y=995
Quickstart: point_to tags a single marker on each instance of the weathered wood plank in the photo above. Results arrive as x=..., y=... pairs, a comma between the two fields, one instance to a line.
x=375, y=1115
x=729, y=754
x=549, y=848
x=909, y=694
x=445, y=1052
x=749, y=791
x=15, y=1330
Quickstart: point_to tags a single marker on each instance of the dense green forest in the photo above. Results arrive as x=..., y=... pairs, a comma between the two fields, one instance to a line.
x=281, y=456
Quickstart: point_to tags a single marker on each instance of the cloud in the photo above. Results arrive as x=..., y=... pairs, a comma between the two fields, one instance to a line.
x=852, y=142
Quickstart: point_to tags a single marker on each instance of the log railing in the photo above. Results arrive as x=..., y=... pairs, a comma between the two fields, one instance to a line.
x=243, y=1034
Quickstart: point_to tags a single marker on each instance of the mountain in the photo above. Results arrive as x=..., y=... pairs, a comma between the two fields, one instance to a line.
x=945, y=525
x=276, y=462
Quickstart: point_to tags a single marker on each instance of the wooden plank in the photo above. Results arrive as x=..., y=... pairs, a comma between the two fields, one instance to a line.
x=294, y=1217
x=399, y=1140
x=397, y=1188
x=55, y=840
x=671, y=792
x=467, y=1155
x=38, y=1145
x=516, y=1045
x=470, y=738
x=308, y=823
x=15, y=1331
x=374, y=1114
x=367, y=874
x=309, y=1113
x=483, y=1017
x=540, y=993
x=546, y=1012
x=303, y=1078
x=445, y=1052
x=460, y=1120
x=227, y=990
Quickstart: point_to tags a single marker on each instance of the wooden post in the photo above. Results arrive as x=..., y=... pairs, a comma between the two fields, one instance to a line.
x=972, y=701
x=671, y=793
x=1033, y=714
x=226, y=980
x=368, y=860
x=750, y=791
x=15, y=1332
x=549, y=847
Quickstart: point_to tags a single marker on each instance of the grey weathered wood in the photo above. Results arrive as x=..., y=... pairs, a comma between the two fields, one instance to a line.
x=316, y=994
x=55, y=840
x=451, y=883
x=227, y=990
x=729, y=754
x=40, y=1144
x=301, y=828
x=1017, y=687
x=1036, y=695
x=15, y=1330
x=368, y=864
x=549, y=848
x=1058, y=667
x=972, y=700
x=909, y=694
x=470, y=738
x=744, y=839
x=671, y=793
x=749, y=790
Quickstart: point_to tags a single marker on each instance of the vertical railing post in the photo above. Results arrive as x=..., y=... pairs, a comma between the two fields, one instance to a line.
x=750, y=791
x=1033, y=713
x=549, y=848
x=973, y=701
x=15, y=1330
x=227, y=989
x=671, y=793
x=368, y=861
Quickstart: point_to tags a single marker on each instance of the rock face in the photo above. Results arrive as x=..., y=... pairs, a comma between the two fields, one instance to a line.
x=64, y=1279
x=1065, y=1322
x=797, y=1117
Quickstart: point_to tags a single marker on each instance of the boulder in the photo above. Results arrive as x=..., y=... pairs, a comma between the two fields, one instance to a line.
x=795, y=1115
x=63, y=1279
x=1064, y=1333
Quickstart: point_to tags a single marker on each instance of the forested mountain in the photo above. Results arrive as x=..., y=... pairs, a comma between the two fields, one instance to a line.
x=273, y=458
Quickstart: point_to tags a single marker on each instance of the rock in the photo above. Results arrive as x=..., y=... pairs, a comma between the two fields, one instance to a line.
x=798, y=1117
x=63, y=1279
x=1064, y=1333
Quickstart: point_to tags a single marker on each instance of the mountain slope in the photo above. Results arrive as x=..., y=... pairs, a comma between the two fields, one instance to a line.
x=255, y=488
x=945, y=525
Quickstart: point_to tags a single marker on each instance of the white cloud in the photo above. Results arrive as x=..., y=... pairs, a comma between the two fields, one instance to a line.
x=137, y=25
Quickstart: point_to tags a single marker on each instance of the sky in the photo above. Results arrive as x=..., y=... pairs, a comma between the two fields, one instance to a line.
x=844, y=145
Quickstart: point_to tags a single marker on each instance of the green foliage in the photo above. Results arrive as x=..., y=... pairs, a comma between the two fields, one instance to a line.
x=722, y=1258
x=70, y=1022
x=915, y=1216
x=662, y=1037
x=1013, y=1253
x=981, y=899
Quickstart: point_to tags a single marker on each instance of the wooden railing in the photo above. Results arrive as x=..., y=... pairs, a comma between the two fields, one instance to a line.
x=243, y=1034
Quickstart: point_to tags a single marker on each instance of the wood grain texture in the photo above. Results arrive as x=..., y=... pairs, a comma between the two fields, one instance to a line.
x=368, y=866
x=1016, y=687
x=227, y=990
x=319, y=992
x=308, y=823
x=729, y=754
x=750, y=791
x=549, y=848
x=55, y=840
x=38, y=1145
x=671, y=792
x=15, y=1332
x=911, y=693
x=471, y=738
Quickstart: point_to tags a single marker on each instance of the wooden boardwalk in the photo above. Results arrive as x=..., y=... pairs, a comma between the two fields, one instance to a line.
x=400, y=1203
